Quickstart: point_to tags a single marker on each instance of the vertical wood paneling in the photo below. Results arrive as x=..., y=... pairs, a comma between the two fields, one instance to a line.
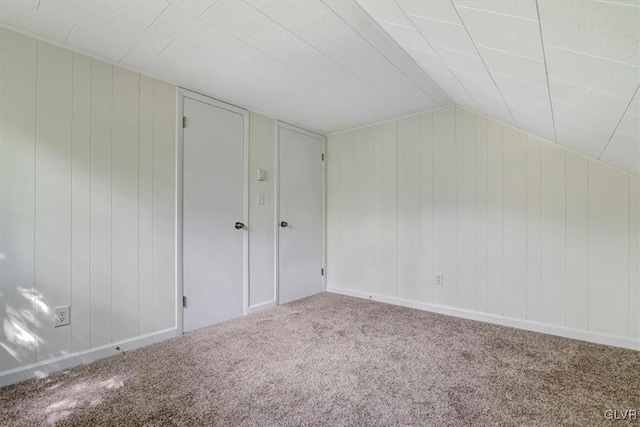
x=495, y=212
x=369, y=238
x=492, y=204
x=379, y=284
x=389, y=207
x=87, y=195
x=533, y=228
x=634, y=257
x=577, y=243
x=412, y=285
x=53, y=197
x=481, y=213
x=333, y=211
x=515, y=223
x=164, y=193
x=444, y=204
x=145, y=208
x=426, y=208
x=402, y=208
x=608, y=250
x=553, y=287
x=347, y=243
x=101, y=122
x=466, y=209
x=359, y=194
x=81, y=204
x=124, y=267
x=18, y=199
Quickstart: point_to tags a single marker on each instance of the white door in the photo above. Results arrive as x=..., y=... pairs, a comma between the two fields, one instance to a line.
x=301, y=219
x=213, y=202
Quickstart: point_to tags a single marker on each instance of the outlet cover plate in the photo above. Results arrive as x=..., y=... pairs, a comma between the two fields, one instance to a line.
x=62, y=315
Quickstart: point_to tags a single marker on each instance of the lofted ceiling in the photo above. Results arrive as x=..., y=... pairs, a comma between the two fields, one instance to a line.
x=323, y=65
x=567, y=71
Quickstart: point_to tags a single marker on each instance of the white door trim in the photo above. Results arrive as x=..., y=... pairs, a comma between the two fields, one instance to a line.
x=276, y=260
x=182, y=94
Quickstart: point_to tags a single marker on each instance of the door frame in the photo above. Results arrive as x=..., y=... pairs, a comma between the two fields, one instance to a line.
x=276, y=270
x=181, y=95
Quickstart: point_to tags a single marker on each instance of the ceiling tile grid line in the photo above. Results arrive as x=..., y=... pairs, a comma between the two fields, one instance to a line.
x=620, y=121
x=546, y=71
x=485, y=65
x=438, y=55
x=391, y=40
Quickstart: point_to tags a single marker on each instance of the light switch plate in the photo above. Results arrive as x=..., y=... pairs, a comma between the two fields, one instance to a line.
x=62, y=315
x=260, y=199
x=262, y=175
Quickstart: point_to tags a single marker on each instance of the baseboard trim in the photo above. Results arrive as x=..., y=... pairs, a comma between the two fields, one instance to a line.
x=42, y=369
x=528, y=325
x=262, y=306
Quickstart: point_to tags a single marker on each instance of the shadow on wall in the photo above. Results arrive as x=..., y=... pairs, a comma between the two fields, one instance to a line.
x=18, y=341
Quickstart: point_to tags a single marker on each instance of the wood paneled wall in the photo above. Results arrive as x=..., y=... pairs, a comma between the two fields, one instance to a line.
x=520, y=227
x=87, y=201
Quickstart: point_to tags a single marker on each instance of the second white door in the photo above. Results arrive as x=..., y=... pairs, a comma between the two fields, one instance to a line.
x=301, y=216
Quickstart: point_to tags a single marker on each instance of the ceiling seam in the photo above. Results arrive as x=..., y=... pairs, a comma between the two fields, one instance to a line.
x=384, y=56
x=620, y=121
x=325, y=55
x=546, y=72
x=439, y=57
x=484, y=63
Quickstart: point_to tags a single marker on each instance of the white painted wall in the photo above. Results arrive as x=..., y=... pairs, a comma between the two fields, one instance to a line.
x=521, y=228
x=87, y=202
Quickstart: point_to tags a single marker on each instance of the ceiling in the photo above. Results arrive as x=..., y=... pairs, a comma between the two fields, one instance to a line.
x=567, y=71
x=323, y=65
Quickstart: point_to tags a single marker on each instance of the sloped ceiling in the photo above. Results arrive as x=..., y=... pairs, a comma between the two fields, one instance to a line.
x=323, y=65
x=567, y=71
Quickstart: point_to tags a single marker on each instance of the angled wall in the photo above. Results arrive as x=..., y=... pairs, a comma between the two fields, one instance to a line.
x=525, y=232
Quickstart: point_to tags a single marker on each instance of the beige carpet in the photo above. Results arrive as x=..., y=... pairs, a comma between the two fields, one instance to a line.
x=331, y=360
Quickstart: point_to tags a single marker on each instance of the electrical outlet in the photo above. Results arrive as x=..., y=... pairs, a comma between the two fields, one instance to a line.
x=61, y=315
x=438, y=279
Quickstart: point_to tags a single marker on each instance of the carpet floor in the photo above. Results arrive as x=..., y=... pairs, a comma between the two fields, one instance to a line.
x=331, y=360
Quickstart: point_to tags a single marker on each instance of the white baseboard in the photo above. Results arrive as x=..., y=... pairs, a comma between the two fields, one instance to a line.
x=527, y=325
x=262, y=306
x=42, y=369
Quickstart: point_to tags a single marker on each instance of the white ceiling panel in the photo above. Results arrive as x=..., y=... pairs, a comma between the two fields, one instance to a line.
x=237, y=18
x=387, y=11
x=23, y=15
x=91, y=16
x=438, y=10
x=329, y=34
x=126, y=31
x=230, y=50
x=515, y=66
x=277, y=42
x=510, y=34
x=595, y=73
x=607, y=30
x=602, y=124
x=142, y=11
x=91, y=42
x=533, y=93
x=472, y=64
x=194, y=7
x=184, y=27
x=292, y=14
x=520, y=8
x=587, y=99
x=450, y=36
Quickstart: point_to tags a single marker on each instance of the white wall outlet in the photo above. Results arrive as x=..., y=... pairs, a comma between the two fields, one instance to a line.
x=438, y=279
x=260, y=199
x=61, y=315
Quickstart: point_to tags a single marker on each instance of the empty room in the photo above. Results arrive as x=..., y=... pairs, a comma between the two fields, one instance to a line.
x=319, y=212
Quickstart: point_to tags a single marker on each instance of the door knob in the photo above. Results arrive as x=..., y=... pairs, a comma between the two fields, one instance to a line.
x=284, y=224
x=239, y=225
